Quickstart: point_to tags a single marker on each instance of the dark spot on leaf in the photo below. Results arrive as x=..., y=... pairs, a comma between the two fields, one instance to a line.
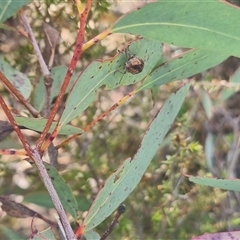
x=48, y=169
x=92, y=76
x=69, y=200
x=99, y=67
x=126, y=189
x=74, y=108
x=52, y=178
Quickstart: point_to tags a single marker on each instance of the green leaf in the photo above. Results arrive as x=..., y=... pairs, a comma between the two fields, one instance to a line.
x=227, y=184
x=207, y=25
x=83, y=204
x=43, y=199
x=18, y=79
x=57, y=73
x=46, y=234
x=39, y=198
x=183, y=66
x=207, y=104
x=123, y=181
x=10, y=7
x=9, y=234
x=228, y=92
x=90, y=235
x=64, y=192
x=109, y=73
x=209, y=152
x=39, y=124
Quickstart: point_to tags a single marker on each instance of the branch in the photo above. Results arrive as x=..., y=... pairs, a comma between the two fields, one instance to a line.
x=72, y=65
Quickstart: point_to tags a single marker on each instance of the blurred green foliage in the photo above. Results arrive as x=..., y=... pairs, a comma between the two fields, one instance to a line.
x=165, y=205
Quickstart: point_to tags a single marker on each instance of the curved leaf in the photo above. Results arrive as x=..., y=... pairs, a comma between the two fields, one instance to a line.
x=57, y=74
x=109, y=73
x=38, y=124
x=90, y=235
x=39, y=198
x=122, y=182
x=18, y=79
x=183, y=66
x=207, y=25
x=64, y=192
x=10, y=7
x=227, y=184
x=46, y=234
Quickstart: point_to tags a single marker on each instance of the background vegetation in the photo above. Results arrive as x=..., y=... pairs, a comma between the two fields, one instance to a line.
x=165, y=205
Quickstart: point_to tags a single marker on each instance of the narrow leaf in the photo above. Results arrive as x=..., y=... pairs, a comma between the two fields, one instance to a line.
x=186, y=24
x=227, y=184
x=122, y=182
x=111, y=74
x=10, y=7
x=64, y=192
x=183, y=66
x=57, y=74
x=90, y=235
x=209, y=152
x=38, y=125
x=39, y=198
x=18, y=79
x=46, y=234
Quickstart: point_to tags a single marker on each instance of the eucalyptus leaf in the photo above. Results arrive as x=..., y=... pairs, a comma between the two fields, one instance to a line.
x=185, y=24
x=38, y=124
x=124, y=180
x=18, y=79
x=10, y=7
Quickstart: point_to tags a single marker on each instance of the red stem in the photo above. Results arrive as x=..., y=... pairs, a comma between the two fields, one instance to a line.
x=73, y=63
x=16, y=128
